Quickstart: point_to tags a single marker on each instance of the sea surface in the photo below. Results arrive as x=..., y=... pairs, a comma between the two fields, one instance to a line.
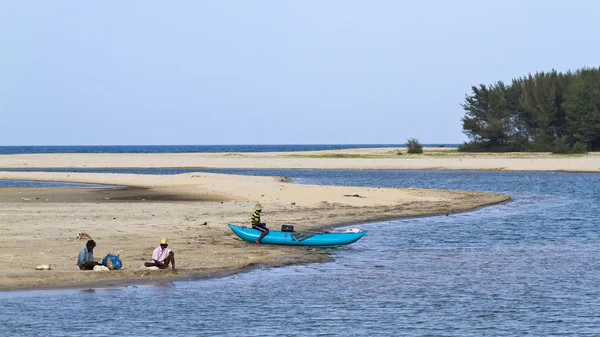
x=527, y=267
x=47, y=184
x=193, y=148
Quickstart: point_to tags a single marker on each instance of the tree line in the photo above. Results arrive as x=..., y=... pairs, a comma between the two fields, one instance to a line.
x=548, y=112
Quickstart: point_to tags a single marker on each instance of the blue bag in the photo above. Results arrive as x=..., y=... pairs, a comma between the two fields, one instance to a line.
x=113, y=262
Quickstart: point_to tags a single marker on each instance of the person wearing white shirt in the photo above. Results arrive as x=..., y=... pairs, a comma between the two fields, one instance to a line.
x=162, y=256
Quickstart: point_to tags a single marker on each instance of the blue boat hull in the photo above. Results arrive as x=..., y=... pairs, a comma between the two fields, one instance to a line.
x=297, y=238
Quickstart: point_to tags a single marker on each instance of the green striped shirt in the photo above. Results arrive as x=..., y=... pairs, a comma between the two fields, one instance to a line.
x=256, y=218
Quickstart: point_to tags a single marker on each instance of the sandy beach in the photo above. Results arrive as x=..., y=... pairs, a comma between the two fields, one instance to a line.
x=39, y=225
x=351, y=159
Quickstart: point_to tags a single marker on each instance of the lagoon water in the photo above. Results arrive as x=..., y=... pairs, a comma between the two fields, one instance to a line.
x=193, y=148
x=46, y=184
x=531, y=266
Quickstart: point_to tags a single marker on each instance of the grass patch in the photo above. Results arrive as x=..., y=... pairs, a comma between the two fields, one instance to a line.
x=568, y=155
x=340, y=155
x=456, y=154
x=234, y=155
x=399, y=154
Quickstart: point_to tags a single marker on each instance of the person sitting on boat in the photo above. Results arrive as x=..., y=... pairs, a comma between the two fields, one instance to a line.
x=162, y=256
x=256, y=224
x=85, y=259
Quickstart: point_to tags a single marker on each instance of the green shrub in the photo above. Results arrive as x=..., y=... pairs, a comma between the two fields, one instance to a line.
x=579, y=148
x=508, y=147
x=471, y=147
x=414, y=146
x=563, y=146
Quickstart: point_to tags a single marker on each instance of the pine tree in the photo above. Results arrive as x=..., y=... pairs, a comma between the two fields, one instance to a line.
x=558, y=112
x=540, y=111
x=582, y=107
x=488, y=118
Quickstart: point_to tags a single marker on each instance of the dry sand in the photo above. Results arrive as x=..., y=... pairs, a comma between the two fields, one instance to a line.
x=39, y=226
x=361, y=159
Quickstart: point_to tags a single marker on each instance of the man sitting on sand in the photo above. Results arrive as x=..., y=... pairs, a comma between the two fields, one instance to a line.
x=256, y=224
x=162, y=256
x=85, y=259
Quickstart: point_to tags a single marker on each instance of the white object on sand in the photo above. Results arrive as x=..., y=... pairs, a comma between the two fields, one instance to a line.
x=101, y=268
x=352, y=230
x=43, y=267
x=150, y=268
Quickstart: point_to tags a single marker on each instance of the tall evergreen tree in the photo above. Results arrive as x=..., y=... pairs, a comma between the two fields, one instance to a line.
x=519, y=130
x=540, y=109
x=487, y=117
x=552, y=111
x=582, y=107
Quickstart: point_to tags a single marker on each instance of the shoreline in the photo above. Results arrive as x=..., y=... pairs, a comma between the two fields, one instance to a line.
x=162, y=276
x=41, y=230
x=42, y=169
x=346, y=159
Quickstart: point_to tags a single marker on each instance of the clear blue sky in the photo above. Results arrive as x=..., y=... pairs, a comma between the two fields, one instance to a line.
x=270, y=72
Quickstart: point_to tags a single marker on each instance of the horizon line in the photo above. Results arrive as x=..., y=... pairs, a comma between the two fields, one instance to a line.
x=274, y=144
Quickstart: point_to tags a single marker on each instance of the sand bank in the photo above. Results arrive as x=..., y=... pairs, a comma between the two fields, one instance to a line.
x=359, y=159
x=39, y=226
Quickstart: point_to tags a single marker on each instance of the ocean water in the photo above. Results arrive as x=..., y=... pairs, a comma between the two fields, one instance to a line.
x=193, y=148
x=528, y=267
x=47, y=184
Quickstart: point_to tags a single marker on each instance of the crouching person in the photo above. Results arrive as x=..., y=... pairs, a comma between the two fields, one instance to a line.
x=162, y=256
x=85, y=259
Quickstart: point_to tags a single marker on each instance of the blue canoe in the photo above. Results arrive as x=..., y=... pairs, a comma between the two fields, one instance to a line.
x=297, y=238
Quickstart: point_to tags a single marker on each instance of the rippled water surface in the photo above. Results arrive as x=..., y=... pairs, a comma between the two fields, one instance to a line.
x=527, y=267
x=47, y=184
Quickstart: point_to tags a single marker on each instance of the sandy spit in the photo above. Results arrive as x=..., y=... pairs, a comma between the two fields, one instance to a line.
x=39, y=225
x=352, y=159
